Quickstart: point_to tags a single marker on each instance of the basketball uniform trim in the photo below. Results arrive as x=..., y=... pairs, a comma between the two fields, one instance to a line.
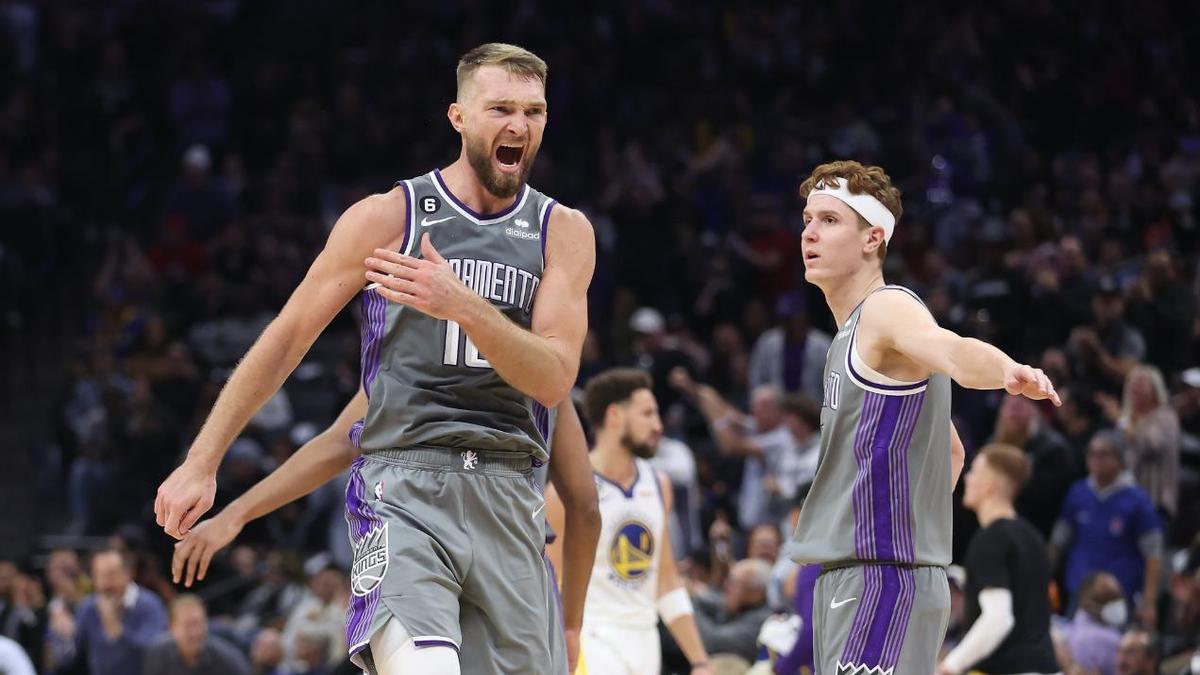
x=658, y=488
x=410, y=235
x=869, y=379
x=881, y=618
x=471, y=214
x=637, y=476
x=881, y=500
x=374, y=320
x=362, y=520
x=547, y=207
x=434, y=641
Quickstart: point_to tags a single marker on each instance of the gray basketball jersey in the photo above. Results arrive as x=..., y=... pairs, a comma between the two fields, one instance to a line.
x=882, y=489
x=426, y=382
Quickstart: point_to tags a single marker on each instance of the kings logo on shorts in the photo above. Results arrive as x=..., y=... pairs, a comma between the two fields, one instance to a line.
x=370, y=561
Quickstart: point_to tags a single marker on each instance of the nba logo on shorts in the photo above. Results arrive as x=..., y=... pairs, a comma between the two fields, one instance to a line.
x=370, y=561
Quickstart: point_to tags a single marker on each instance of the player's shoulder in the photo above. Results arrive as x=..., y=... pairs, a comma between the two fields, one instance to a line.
x=569, y=220
x=378, y=209
x=892, y=303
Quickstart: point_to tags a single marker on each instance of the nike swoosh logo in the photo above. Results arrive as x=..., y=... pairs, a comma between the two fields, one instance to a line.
x=539, y=510
x=426, y=222
x=833, y=604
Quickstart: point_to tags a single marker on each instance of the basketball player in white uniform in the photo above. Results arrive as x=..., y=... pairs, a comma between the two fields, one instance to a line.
x=634, y=581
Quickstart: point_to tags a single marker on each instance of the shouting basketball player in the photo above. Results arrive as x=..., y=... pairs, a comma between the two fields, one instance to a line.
x=878, y=515
x=458, y=370
x=633, y=580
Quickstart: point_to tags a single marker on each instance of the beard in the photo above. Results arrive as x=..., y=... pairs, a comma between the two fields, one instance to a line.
x=642, y=450
x=501, y=185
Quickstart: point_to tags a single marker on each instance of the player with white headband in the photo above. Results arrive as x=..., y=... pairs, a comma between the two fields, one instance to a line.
x=878, y=516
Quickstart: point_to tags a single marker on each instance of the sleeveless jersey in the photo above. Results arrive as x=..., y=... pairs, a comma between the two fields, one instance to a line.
x=882, y=489
x=624, y=584
x=426, y=382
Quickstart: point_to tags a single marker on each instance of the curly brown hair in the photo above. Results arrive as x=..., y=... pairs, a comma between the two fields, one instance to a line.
x=860, y=179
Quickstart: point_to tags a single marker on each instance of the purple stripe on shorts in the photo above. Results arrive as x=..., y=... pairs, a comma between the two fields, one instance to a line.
x=361, y=519
x=868, y=602
x=882, y=617
x=898, y=627
x=435, y=643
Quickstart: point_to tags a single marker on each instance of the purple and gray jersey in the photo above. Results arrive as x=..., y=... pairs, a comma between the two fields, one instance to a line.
x=882, y=489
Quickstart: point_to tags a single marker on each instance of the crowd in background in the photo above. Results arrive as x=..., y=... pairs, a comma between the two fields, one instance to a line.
x=185, y=161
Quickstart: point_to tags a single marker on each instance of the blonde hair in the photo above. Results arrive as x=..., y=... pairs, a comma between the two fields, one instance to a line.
x=516, y=60
x=1127, y=421
x=860, y=179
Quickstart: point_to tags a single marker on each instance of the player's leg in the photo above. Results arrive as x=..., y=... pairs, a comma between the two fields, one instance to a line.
x=508, y=582
x=395, y=652
x=882, y=624
x=406, y=556
x=927, y=627
x=836, y=600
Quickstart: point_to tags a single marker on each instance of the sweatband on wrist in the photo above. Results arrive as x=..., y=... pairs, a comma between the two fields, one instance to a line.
x=674, y=604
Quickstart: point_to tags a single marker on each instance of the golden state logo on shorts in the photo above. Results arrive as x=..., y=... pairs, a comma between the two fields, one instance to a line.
x=631, y=551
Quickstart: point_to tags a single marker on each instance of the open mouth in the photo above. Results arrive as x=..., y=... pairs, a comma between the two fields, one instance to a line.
x=810, y=256
x=510, y=155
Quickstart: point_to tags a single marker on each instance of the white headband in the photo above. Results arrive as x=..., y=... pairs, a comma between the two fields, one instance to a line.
x=870, y=208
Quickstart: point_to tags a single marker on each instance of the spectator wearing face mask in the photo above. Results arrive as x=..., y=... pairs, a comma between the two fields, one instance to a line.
x=1089, y=640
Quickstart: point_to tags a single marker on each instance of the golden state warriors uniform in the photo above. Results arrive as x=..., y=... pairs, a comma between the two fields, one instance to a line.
x=620, y=620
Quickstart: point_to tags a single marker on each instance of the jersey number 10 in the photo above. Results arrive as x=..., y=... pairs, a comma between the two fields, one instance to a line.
x=471, y=357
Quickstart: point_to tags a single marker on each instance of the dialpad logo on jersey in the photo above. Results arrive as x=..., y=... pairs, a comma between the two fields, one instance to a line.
x=861, y=669
x=833, y=391
x=370, y=561
x=631, y=552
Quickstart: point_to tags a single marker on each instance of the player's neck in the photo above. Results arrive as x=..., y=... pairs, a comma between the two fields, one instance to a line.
x=613, y=461
x=995, y=509
x=462, y=182
x=845, y=295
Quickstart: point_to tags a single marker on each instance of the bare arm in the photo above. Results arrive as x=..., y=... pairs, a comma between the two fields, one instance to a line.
x=316, y=462
x=578, y=513
x=541, y=362
x=725, y=422
x=333, y=279
x=895, y=325
x=958, y=456
x=683, y=628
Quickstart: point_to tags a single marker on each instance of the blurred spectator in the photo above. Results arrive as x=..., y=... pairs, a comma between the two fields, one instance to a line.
x=1089, y=640
x=729, y=623
x=115, y=625
x=1137, y=654
x=794, y=475
x=13, y=659
x=266, y=653
x=1108, y=523
x=21, y=615
x=1020, y=425
x=790, y=356
x=1152, y=427
x=320, y=614
x=1163, y=307
x=1077, y=417
x=1107, y=350
x=657, y=353
x=313, y=656
x=761, y=439
x=675, y=459
x=189, y=648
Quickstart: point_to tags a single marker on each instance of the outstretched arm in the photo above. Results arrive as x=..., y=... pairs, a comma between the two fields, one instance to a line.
x=334, y=278
x=896, y=322
x=317, y=461
x=575, y=507
x=541, y=362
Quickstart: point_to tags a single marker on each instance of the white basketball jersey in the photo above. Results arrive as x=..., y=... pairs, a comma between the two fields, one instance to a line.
x=624, y=584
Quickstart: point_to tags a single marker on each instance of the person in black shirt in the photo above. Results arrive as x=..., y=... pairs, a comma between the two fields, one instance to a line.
x=1008, y=575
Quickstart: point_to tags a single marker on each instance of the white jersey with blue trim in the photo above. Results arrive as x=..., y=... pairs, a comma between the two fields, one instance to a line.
x=624, y=583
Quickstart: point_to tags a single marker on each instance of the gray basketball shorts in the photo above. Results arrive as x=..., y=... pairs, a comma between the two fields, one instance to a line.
x=879, y=619
x=450, y=543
